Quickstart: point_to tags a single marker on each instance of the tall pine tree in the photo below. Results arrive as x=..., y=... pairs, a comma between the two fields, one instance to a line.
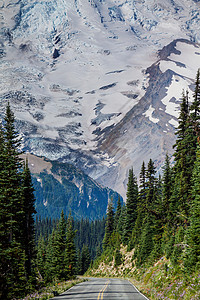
x=109, y=224
x=70, y=250
x=141, y=207
x=17, y=209
x=131, y=205
x=118, y=213
x=29, y=223
x=60, y=248
x=13, y=257
x=192, y=257
x=195, y=106
x=182, y=166
x=167, y=188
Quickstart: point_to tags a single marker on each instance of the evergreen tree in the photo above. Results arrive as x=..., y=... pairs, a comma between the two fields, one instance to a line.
x=41, y=257
x=28, y=226
x=195, y=107
x=137, y=230
x=78, y=263
x=4, y=241
x=51, y=270
x=185, y=150
x=2, y=152
x=70, y=250
x=12, y=252
x=157, y=219
x=152, y=219
x=159, y=189
x=12, y=183
x=167, y=215
x=167, y=187
x=131, y=205
x=109, y=224
x=98, y=251
x=118, y=213
x=118, y=258
x=141, y=208
x=85, y=259
x=60, y=248
x=146, y=245
x=122, y=219
x=150, y=185
x=182, y=166
x=169, y=246
x=142, y=187
x=177, y=249
x=192, y=257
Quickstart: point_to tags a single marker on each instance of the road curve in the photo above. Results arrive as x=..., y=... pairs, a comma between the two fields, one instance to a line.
x=102, y=289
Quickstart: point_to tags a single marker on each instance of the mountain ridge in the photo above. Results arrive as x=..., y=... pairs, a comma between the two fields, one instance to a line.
x=60, y=186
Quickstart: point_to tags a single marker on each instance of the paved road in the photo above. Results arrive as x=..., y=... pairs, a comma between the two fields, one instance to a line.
x=102, y=289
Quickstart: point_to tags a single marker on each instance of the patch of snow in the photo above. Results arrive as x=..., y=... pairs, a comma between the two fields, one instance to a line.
x=186, y=63
x=189, y=57
x=172, y=100
x=174, y=123
x=149, y=114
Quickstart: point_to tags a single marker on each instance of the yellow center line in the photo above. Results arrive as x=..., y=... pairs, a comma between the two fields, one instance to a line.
x=100, y=296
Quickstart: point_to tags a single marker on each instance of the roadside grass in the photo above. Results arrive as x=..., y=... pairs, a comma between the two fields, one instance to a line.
x=159, y=281
x=53, y=289
x=163, y=281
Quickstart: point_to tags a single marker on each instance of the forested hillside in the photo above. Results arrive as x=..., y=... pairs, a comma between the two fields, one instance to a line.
x=64, y=187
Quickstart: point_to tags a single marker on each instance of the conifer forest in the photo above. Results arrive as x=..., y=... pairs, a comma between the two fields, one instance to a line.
x=161, y=216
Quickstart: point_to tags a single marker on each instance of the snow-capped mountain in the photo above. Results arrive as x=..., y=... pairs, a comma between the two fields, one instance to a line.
x=98, y=83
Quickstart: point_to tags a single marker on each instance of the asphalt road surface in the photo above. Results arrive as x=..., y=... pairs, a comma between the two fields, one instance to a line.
x=102, y=289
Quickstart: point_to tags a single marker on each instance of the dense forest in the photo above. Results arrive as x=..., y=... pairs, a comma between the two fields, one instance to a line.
x=161, y=216
x=87, y=239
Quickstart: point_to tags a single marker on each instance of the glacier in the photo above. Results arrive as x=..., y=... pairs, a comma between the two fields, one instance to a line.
x=97, y=83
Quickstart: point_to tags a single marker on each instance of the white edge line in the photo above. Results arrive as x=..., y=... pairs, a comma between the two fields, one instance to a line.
x=138, y=290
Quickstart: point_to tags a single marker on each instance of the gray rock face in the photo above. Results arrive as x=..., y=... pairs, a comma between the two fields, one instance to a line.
x=98, y=83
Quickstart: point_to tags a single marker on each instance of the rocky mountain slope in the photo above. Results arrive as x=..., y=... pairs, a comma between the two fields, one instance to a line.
x=60, y=186
x=97, y=83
